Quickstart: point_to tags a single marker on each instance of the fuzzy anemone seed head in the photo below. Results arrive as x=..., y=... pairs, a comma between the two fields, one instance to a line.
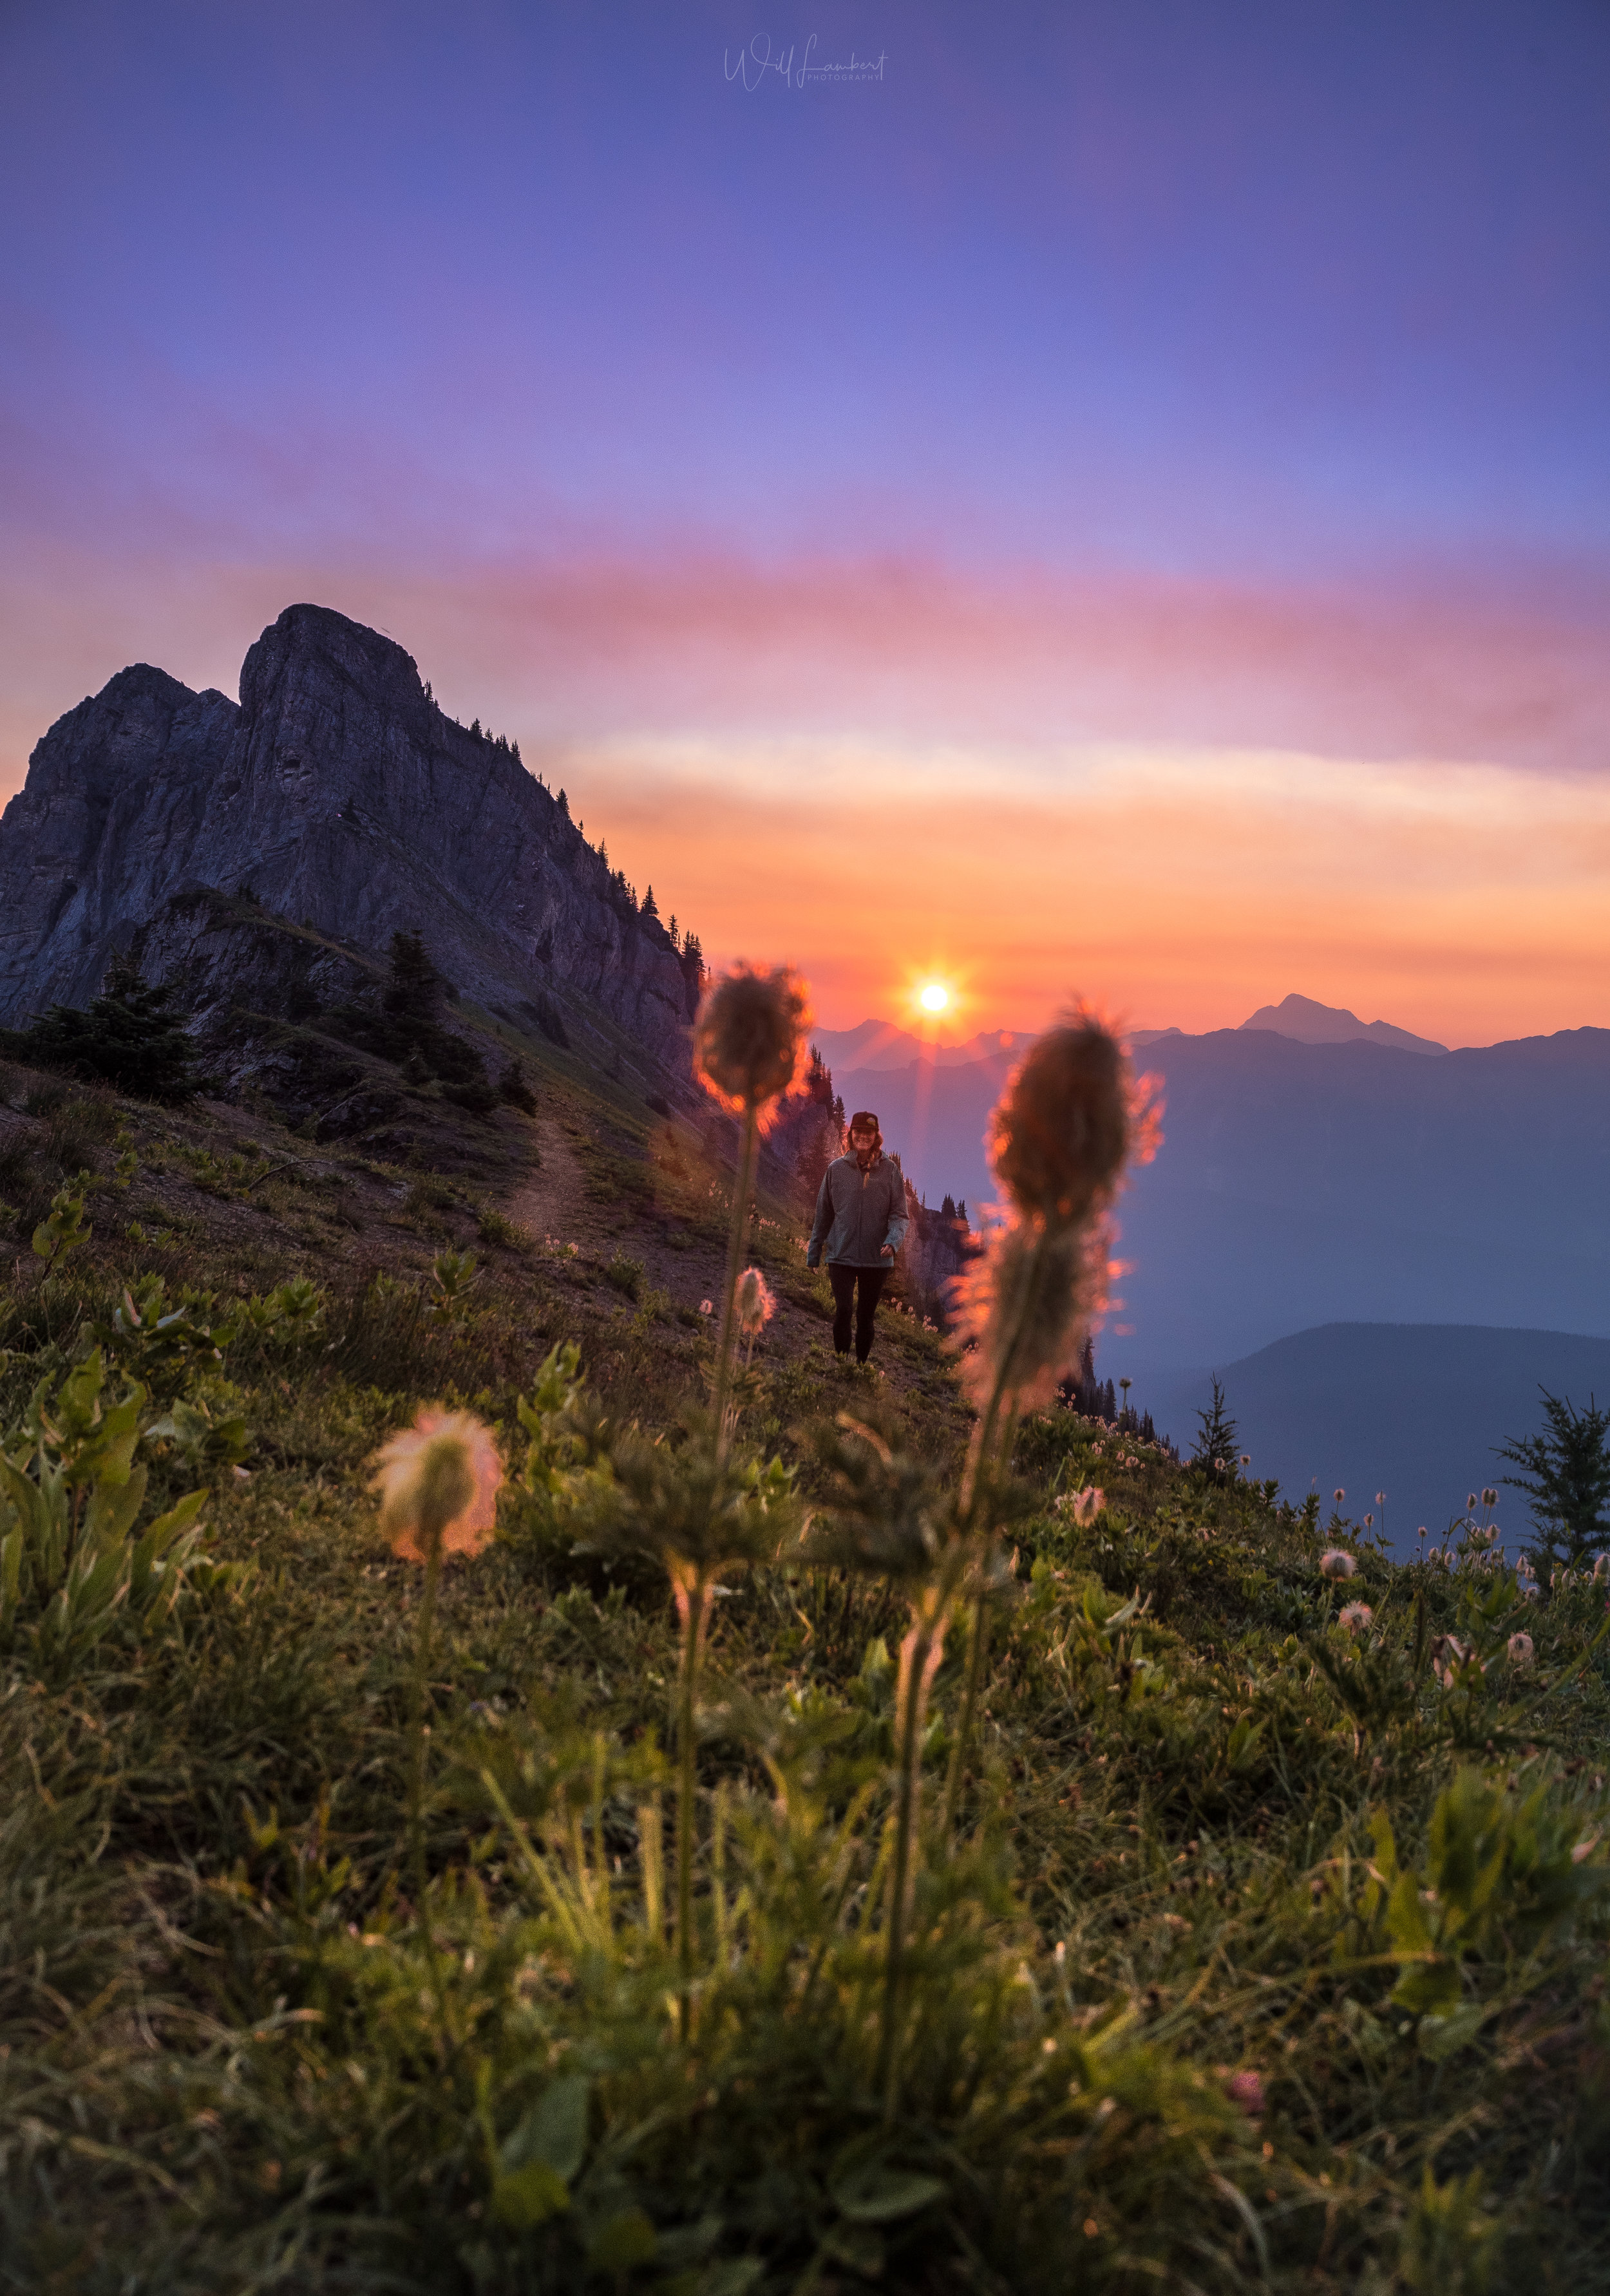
x=1069, y=1120
x=749, y=1037
x=754, y=1303
x=1520, y=1650
x=438, y=1482
x=1337, y=1562
x=1355, y=1617
x=1026, y=1304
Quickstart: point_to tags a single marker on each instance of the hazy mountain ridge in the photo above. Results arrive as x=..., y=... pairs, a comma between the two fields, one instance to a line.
x=1303, y=1183
x=1411, y=1409
x=1312, y=1024
x=342, y=796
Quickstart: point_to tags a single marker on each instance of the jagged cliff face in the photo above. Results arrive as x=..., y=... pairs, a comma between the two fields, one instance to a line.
x=341, y=796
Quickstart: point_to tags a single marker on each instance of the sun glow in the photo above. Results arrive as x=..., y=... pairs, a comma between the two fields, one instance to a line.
x=934, y=997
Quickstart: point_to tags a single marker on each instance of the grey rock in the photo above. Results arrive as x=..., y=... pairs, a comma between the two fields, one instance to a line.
x=344, y=798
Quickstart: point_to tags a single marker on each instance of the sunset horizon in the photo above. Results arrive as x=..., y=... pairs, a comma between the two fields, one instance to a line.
x=1077, y=525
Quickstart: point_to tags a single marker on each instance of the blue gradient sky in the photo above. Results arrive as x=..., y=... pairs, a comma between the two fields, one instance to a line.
x=1205, y=402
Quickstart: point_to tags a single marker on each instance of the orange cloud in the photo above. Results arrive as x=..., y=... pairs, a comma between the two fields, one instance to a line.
x=1183, y=799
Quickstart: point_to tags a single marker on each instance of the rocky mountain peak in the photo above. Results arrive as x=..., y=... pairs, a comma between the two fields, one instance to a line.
x=344, y=798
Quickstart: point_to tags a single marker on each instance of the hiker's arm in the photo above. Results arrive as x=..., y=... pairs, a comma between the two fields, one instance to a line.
x=820, y=1226
x=899, y=1220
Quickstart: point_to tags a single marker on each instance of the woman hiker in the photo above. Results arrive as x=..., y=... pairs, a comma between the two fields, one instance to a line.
x=861, y=1220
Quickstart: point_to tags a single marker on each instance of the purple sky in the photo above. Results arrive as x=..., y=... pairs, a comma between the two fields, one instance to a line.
x=1234, y=378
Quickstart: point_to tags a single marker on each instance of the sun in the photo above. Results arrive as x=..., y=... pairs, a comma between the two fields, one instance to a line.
x=934, y=997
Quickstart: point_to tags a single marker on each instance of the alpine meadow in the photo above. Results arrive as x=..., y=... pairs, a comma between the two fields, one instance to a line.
x=804, y=1148
x=520, y=1777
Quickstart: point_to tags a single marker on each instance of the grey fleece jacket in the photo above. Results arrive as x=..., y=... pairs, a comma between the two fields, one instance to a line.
x=857, y=1213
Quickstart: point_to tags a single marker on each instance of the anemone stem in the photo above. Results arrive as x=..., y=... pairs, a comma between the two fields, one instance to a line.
x=430, y=1534
x=693, y=1606
x=918, y=1659
x=734, y=1256
x=991, y=1443
x=978, y=1636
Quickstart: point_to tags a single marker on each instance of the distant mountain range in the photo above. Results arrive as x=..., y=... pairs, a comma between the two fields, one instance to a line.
x=1332, y=1024
x=876, y=1045
x=1411, y=1409
x=1302, y=1183
x=1310, y=1023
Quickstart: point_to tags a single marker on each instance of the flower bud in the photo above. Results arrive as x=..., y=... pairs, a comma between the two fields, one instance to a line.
x=1069, y=1118
x=753, y=1303
x=749, y=1035
x=438, y=1481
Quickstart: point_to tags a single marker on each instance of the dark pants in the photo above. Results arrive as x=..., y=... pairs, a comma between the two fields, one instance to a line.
x=844, y=1281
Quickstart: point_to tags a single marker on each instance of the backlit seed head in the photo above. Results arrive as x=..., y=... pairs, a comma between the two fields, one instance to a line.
x=1339, y=1494
x=1355, y=1617
x=1027, y=1303
x=1520, y=1650
x=1067, y=1122
x=753, y=1303
x=749, y=1035
x=438, y=1481
x=1335, y=1563
x=1489, y=1497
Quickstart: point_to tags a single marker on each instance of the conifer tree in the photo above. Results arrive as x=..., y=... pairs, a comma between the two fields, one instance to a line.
x=127, y=1037
x=651, y=907
x=475, y=729
x=415, y=986
x=1218, y=1444
x=1567, y=1481
x=563, y=803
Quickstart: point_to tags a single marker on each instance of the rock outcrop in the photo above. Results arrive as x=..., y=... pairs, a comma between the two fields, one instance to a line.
x=341, y=797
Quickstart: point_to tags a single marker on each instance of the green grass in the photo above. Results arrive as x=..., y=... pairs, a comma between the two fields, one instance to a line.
x=1181, y=2014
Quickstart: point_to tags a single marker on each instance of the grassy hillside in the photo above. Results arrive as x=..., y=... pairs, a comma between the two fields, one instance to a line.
x=1260, y=1953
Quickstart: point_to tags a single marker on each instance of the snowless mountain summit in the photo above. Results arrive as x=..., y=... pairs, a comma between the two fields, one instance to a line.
x=338, y=794
x=1310, y=1023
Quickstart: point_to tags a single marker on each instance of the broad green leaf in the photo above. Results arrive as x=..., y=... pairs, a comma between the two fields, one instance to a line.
x=526, y=2197
x=875, y=2194
x=733, y=2278
x=622, y=2242
x=861, y=2246
x=1439, y=2037
x=554, y=2131
x=1406, y=1917
x=113, y=1505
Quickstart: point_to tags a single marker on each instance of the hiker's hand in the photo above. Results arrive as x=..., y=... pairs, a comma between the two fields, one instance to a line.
x=889, y=1251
